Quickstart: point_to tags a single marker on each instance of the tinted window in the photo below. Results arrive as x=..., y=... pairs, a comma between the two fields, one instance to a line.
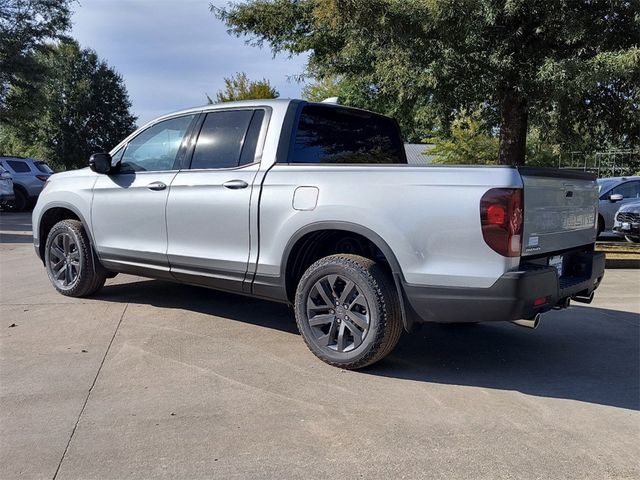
x=43, y=167
x=627, y=190
x=338, y=135
x=18, y=166
x=251, y=140
x=156, y=148
x=224, y=139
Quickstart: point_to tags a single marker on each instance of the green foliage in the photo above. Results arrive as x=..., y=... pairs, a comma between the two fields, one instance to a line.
x=25, y=27
x=569, y=68
x=82, y=107
x=468, y=144
x=241, y=88
x=325, y=88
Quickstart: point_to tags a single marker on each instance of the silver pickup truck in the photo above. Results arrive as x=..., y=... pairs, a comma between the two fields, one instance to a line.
x=314, y=205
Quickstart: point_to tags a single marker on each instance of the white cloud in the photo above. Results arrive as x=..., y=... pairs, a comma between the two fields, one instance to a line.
x=170, y=52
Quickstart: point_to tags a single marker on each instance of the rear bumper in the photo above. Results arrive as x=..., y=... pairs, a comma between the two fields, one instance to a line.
x=510, y=298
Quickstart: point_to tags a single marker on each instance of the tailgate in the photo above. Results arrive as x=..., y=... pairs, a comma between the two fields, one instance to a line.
x=560, y=210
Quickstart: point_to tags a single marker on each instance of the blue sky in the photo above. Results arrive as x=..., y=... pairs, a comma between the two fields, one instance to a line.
x=170, y=52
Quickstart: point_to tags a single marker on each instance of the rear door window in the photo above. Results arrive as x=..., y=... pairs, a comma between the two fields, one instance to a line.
x=339, y=135
x=19, y=166
x=43, y=167
x=227, y=139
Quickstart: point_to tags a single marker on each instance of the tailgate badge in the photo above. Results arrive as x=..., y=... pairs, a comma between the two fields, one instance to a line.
x=533, y=242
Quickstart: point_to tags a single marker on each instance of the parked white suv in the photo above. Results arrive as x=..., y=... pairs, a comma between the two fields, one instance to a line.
x=314, y=205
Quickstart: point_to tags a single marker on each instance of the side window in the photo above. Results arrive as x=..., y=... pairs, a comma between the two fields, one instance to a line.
x=117, y=156
x=339, y=135
x=156, y=148
x=627, y=190
x=227, y=139
x=18, y=166
x=43, y=167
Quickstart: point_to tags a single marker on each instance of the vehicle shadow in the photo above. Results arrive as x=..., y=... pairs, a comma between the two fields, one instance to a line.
x=202, y=300
x=15, y=227
x=586, y=354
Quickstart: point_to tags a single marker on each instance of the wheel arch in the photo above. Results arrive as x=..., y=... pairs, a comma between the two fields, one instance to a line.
x=53, y=214
x=298, y=240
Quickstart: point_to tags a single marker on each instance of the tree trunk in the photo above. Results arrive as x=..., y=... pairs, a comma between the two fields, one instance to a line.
x=513, y=129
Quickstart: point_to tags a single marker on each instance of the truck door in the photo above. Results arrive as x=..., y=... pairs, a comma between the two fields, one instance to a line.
x=128, y=209
x=208, y=210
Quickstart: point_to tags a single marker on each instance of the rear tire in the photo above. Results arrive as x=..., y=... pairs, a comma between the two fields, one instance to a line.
x=70, y=261
x=348, y=312
x=19, y=203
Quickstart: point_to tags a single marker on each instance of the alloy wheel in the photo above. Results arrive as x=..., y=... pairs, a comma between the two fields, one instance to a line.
x=338, y=313
x=64, y=260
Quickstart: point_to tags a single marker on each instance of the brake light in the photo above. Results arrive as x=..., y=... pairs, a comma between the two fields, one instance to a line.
x=42, y=178
x=501, y=220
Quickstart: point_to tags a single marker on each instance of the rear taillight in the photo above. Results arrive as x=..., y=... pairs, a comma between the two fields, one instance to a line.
x=501, y=219
x=42, y=178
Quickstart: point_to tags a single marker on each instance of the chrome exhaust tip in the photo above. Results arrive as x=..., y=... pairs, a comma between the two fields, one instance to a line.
x=582, y=299
x=529, y=322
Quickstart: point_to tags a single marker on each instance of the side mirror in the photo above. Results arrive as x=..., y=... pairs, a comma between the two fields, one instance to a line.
x=616, y=197
x=100, y=163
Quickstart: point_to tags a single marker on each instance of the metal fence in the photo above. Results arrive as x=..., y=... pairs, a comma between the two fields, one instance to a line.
x=613, y=163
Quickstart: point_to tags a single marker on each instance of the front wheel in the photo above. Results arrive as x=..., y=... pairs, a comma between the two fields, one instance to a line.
x=71, y=264
x=348, y=312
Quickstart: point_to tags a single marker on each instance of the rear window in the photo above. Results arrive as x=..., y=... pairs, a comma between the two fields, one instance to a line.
x=18, y=166
x=43, y=167
x=339, y=135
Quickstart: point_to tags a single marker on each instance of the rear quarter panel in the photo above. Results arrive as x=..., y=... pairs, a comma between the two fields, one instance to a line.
x=428, y=216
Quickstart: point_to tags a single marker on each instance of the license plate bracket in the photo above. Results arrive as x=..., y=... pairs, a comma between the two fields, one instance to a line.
x=556, y=262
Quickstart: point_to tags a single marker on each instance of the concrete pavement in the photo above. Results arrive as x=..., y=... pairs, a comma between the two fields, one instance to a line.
x=151, y=379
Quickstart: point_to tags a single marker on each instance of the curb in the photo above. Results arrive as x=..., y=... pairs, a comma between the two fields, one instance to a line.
x=622, y=263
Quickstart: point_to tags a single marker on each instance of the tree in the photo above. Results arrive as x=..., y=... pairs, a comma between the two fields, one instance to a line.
x=81, y=108
x=322, y=89
x=470, y=142
x=574, y=65
x=25, y=27
x=241, y=88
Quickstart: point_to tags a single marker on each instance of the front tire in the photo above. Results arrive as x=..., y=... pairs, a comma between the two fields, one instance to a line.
x=348, y=312
x=70, y=262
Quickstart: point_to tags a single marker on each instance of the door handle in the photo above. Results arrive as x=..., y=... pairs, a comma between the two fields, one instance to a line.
x=156, y=186
x=235, y=184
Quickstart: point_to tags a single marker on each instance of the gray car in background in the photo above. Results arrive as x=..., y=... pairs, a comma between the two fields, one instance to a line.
x=29, y=176
x=614, y=193
x=627, y=222
x=6, y=187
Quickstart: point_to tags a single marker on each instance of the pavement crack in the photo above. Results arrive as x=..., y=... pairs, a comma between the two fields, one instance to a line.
x=86, y=400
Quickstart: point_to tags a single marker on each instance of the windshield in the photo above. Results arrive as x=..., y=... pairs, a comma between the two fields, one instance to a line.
x=605, y=184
